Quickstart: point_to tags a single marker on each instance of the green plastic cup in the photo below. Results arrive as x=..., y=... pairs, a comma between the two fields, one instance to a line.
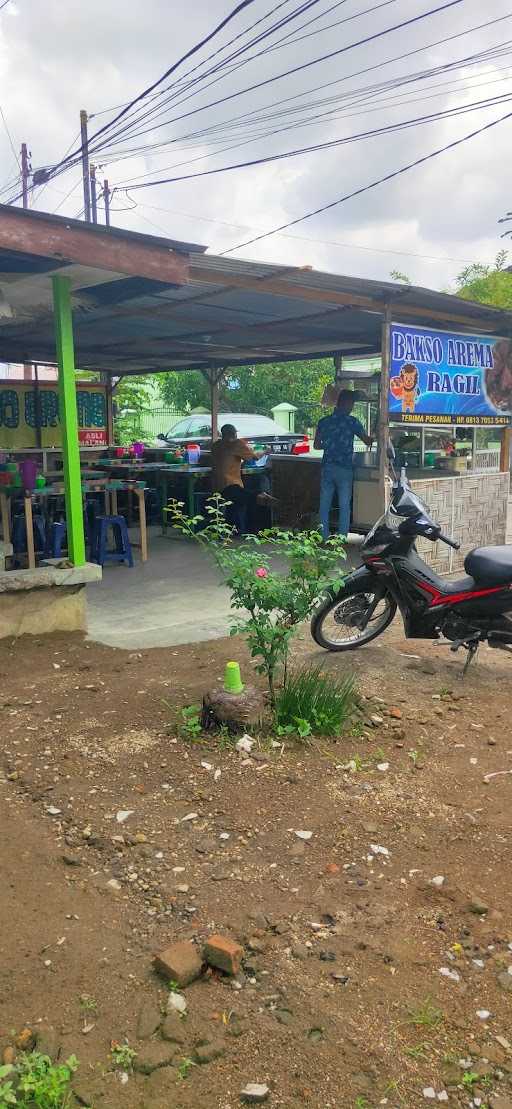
x=232, y=678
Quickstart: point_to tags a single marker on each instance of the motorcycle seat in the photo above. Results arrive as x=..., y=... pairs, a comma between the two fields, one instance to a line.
x=490, y=565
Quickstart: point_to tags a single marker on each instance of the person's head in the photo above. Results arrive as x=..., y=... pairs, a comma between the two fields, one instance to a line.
x=228, y=432
x=346, y=401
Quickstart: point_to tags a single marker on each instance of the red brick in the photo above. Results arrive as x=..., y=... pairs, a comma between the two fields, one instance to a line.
x=181, y=963
x=223, y=953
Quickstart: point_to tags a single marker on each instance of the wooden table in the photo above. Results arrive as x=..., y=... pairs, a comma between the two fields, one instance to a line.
x=109, y=489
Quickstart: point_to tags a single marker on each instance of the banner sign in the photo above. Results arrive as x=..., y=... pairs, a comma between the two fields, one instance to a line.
x=441, y=377
x=22, y=409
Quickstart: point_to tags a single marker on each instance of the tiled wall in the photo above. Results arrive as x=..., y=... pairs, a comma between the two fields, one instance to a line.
x=471, y=509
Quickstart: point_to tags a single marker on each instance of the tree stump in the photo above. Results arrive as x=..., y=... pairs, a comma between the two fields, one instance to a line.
x=236, y=711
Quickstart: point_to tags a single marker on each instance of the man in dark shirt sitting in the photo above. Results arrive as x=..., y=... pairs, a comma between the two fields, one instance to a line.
x=335, y=435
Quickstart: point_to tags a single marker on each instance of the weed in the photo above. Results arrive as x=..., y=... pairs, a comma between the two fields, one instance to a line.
x=361, y=1103
x=313, y=702
x=88, y=1004
x=425, y=1015
x=184, y=1067
x=34, y=1082
x=7, y=1095
x=418, y=1052
x=469, y=1079
x=379, y=755
x=413, y=756
x=172, y=986
x=191, y=721
x=122, y=1056
x=225, y=738
x=357, y=730
x=356, y=763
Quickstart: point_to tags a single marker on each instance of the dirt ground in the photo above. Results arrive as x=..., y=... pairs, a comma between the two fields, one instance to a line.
x=364, y=982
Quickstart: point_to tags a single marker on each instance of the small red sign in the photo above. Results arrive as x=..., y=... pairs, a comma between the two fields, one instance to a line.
x=92, y=437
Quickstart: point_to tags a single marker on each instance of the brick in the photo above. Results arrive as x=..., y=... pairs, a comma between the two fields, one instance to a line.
x=181, y=963
x=223, y=953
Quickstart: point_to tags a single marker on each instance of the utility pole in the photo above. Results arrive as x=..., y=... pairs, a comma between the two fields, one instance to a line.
x=106, y=201
x=24, y=173
x=85, y=165
x=94, y=199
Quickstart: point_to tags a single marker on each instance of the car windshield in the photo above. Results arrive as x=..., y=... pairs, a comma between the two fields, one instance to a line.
x=181, y=428
x=247, y=425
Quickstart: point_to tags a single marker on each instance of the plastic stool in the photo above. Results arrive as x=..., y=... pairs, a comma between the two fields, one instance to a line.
x=122, y=551
x=19, y=534
x=57, y=538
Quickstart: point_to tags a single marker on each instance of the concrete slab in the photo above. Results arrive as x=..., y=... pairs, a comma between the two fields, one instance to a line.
x=173, y=598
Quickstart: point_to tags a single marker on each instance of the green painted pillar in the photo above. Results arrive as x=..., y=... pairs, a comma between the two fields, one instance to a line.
x=69, y=419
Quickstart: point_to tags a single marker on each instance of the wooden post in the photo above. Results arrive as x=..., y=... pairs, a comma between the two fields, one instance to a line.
x=214, y=400
x=106, y=380
x=506, y=444
x=37, y=402
x=69, y=418
x=214, y=377
x=383, y=434
x=29, y=524
x=85, y=166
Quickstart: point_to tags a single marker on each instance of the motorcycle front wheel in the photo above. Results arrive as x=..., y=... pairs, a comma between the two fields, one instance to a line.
x=351, y=620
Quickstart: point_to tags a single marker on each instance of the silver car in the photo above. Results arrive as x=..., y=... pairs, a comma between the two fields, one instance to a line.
x=258, y=431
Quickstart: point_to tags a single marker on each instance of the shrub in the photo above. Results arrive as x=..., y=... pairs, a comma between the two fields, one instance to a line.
x=34, y=1082
x=272, y=602
x=313, y=702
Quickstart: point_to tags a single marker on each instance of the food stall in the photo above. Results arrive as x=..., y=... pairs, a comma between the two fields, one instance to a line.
x=446, y=398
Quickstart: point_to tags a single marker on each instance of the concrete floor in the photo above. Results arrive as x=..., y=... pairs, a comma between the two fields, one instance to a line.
x=173, y=598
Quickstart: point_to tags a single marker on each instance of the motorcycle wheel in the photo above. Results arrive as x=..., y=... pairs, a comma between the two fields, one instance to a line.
x=336, y=625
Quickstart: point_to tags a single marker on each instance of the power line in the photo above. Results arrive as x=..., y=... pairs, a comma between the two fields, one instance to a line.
x=304, y=238
x=315, y=61
x=365, y=97
x=172, y=69
x=372, y=185
x=444, y=113
x=222, y=66
x=4, y=121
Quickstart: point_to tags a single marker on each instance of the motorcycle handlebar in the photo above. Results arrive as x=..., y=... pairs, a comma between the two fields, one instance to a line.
x=449, y=542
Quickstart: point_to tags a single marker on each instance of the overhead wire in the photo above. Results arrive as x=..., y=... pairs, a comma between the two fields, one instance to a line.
x=331, y=143
x=372, y=185
x=315, y=61
x=68, y=160
x=367, y=96
x=9, y=136
x=222, y=66
x=301, y=238
x=172, y=69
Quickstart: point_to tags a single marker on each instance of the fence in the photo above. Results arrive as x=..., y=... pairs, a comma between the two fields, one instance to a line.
x=487, y=461
x=156, y=421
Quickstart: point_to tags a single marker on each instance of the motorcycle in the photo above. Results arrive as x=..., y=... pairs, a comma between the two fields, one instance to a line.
x=474, y=609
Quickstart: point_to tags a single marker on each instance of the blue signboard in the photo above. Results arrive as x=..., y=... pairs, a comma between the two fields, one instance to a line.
x=441, y=377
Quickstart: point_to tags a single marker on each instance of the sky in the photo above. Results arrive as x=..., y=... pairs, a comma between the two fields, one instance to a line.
x=429, y=223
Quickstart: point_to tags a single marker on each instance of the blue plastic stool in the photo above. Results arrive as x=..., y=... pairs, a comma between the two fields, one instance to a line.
x=122, y=551
x=19, y=534
x=57, y=538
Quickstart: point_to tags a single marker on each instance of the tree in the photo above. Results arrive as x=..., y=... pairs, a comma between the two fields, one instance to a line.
x=132, y=397
x=487, y=284
x=256, y=388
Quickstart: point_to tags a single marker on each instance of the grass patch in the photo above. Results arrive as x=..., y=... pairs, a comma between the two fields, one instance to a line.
x=314, y=703
x=425, y=1015
x=34, y=1082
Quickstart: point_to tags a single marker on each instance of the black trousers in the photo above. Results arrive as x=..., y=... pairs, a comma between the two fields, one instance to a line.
x=239, y=510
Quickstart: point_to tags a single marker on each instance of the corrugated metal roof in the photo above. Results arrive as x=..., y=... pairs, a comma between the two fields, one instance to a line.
x=230, y=312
